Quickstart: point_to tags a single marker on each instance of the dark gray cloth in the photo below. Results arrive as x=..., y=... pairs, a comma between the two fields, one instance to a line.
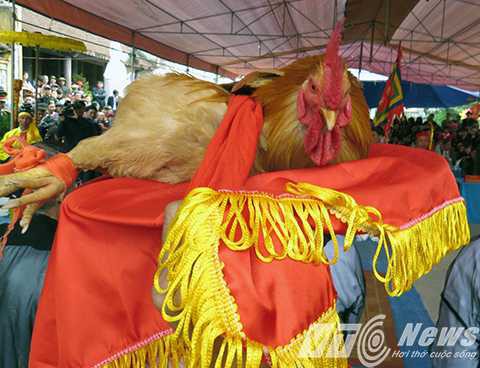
x=22, y=271
x=349, y=282
x=460, y=308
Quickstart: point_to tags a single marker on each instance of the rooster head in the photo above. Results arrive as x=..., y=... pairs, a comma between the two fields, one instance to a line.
x=324, y=106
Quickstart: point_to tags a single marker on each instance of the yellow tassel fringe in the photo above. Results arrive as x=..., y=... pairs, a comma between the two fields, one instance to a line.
x=293, y=226
x=321, y=345
x=411, y=252
x=199, y=302
x=165, y=352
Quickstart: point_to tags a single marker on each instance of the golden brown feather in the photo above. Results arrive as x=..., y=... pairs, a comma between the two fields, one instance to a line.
x=165, y=123
x=161, y=130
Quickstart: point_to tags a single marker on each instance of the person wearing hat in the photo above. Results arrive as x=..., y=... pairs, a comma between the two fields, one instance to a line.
x=62, y=84
x=27, y=93
x=5, y=115
x=74, y=127
x=27, y=130
x=469, y=120
x=53, y=80
x=424, y=137
x=46, y=95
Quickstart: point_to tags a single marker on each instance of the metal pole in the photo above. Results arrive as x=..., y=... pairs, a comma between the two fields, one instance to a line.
x=12, y=98
x=37, y=52
x=361, y=60
x=134, y=57
x=387, y=21
x=372, y=40
x=443, y=19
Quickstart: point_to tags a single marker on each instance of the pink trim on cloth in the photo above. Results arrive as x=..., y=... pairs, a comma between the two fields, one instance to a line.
x=431, y=212
x=134, y=347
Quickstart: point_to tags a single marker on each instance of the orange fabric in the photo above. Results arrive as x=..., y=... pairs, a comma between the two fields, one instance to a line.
x=276, y=301
x=17, y=215
x=97, y=300
x=472, y=178
x=403, y=183
x=98, y=284
x=231, y=153
x=10, y=149
x=21, y=159
x=62, y=167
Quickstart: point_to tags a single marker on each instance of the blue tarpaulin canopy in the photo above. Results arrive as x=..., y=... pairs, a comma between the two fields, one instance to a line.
x=420, y=95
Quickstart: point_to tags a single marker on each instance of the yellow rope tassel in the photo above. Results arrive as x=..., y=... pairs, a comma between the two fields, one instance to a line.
x=321, y=345
x=293, y=226
x=412, y=251
x=199, y=302
x=416, y=249
x=166, y=352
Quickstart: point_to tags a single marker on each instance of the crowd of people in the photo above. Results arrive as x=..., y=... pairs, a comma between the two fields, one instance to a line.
x=64, y=115
x=456, y=139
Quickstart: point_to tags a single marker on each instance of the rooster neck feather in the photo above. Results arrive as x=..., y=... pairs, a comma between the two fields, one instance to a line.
x=290, y=83
x=282, y=131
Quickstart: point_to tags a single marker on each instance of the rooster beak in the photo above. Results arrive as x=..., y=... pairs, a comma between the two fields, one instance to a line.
x=330, y=118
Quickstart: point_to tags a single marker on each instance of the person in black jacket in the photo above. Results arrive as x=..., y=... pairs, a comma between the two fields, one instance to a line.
x=74, y=127
x=113, y=100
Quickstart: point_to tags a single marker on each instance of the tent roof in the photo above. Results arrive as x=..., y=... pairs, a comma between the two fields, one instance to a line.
x=441, y=39
x=420, y=95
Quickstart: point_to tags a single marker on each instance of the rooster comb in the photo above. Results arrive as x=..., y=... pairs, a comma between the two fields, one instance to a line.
x=333, y=69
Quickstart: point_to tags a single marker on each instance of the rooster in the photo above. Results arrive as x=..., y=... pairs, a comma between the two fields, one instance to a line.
x=314, y=114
